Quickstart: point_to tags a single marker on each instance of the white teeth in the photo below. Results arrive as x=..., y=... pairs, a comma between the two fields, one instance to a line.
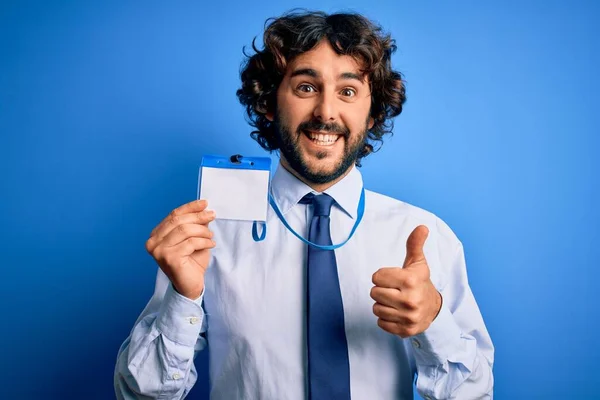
x=320, y=138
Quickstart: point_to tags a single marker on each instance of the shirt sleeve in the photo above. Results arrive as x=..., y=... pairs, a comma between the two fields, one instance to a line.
x=157, y=359
x=455, y=355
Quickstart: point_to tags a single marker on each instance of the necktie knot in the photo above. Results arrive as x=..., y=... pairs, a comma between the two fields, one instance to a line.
x=322, y=204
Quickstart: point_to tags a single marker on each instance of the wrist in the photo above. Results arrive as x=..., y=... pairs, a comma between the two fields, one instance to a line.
x=191, y=293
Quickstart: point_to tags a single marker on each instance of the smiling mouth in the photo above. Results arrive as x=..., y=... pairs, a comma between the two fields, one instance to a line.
x=322, y=139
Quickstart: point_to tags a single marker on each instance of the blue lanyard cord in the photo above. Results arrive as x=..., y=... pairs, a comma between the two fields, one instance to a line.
x=359, y=215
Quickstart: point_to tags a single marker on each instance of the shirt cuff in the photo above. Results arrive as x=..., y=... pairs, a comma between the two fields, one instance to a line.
x=443, y=338
x=180, y=318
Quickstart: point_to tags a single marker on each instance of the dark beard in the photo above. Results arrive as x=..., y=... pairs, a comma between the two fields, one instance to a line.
x=288, y=146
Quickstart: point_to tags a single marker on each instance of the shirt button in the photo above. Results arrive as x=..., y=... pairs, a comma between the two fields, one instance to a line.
x=176, y=376
x=194, y=320
x=415, y=343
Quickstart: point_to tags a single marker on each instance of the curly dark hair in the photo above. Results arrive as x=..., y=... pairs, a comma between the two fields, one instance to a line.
x=297, y=32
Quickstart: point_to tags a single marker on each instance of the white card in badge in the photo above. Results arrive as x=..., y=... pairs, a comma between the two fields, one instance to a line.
x=235, y=187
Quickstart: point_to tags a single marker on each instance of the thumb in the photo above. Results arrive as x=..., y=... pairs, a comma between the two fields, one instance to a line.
x=414, y=245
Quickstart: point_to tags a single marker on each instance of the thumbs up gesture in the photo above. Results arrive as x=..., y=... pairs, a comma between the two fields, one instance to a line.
x=406, y=302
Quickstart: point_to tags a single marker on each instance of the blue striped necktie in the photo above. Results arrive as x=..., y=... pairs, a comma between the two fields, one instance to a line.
x=328, y=365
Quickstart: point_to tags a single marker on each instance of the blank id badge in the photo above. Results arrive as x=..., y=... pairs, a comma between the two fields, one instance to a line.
x=236, y=187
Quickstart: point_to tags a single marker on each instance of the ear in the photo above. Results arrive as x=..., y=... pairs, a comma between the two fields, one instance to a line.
x=371, y=122
x=263, y=109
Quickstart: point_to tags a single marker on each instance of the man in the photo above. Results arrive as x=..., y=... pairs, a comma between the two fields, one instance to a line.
x=287, y=320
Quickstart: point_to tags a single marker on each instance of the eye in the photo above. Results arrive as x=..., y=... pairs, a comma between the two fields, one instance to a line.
x=348, y=92
x=306, y=88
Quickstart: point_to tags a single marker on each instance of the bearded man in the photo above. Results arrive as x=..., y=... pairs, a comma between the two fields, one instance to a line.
x=295, y=319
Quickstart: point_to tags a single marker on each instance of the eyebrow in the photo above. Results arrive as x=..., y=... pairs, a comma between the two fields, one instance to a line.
x=305, y=71
x=351, y=75
x=314, y=74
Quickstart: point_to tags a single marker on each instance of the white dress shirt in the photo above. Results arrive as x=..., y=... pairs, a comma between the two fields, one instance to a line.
x=252, y=313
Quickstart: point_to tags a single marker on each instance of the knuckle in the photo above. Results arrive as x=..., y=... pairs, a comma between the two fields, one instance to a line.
x=175, y=219
x=149, y=243
x=373, y=292
x=410, y=280
x=376, y=276
x=376, y=308
x=182, y=229
x=158, y=253
x=200, y=243
x=200, y=203
x=204, y=231
x=412, y=319
x=410, y=304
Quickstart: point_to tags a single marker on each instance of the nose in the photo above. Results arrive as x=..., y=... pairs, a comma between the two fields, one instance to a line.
x=325, y=109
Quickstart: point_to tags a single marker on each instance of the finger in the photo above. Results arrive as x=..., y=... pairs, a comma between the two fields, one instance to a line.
x=175, y=218
x=387, y=313
x=177, y=235
x=202, y=218
x=388, y=326
x=185, y=231
x=397, y=328
x=386, y=296
x=388, y=277
x=398, y=299
x=191, y=245
x=188, y=208
x=414, y=245
x=397, y=278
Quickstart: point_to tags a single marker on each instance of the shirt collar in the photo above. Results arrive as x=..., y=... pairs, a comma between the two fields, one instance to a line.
x=288, y=190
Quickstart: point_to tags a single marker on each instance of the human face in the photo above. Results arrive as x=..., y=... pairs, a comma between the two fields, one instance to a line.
x=322, y=116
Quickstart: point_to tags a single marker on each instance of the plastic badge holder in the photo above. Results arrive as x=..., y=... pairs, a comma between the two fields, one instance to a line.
x=236, y=187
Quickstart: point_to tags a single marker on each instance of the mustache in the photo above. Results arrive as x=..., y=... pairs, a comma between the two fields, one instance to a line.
x=320, y=126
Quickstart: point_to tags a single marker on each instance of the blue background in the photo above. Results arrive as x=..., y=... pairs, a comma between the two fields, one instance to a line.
x=107, y=107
